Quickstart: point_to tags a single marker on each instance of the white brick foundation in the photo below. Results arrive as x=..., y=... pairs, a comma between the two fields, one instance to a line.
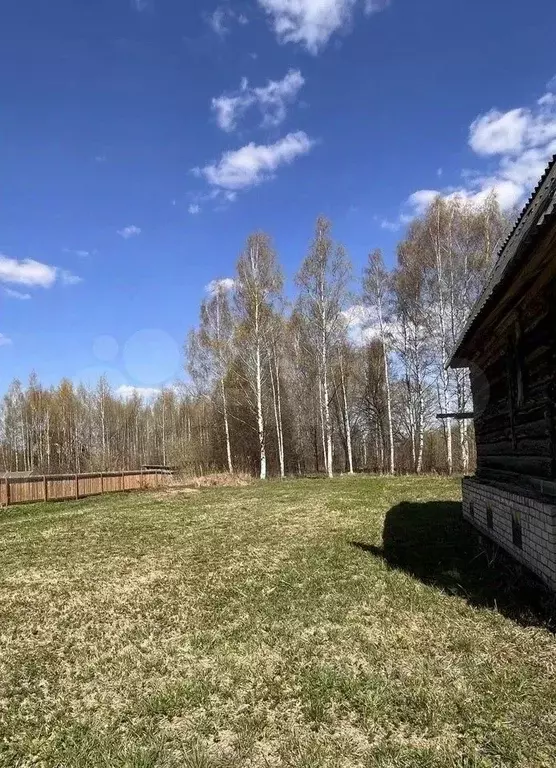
x=537, y=522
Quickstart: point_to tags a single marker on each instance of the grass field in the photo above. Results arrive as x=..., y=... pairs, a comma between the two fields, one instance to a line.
x=306, y=623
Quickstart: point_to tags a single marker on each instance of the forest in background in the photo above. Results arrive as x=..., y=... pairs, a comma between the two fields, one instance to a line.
x=348, y=376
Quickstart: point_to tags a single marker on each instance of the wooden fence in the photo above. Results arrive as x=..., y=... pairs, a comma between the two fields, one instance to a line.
x=22, y=490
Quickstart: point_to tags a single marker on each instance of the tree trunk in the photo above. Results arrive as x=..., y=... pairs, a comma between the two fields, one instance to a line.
x=328, y=426
x=392, y=468
x=277, y=418
x=464, y=444
x=227, y=428
x=323, y=428
x=260, y=416
x=347, y=422
x=421, y=433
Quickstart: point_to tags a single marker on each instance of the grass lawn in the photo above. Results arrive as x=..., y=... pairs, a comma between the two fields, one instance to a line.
x=307, y=623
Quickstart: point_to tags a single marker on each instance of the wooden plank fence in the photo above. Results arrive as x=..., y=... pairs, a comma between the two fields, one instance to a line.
x=24, y=490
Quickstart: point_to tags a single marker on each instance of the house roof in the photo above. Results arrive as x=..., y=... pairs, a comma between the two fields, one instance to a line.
x=530, y=225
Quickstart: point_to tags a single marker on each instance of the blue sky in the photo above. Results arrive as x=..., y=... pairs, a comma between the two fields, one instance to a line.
x=142, y=140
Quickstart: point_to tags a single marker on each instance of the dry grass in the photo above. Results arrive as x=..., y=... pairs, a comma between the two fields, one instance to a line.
x=305, y=623
x=214, y=480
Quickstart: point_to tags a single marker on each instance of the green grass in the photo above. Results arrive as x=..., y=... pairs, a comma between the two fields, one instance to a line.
x=307, y=623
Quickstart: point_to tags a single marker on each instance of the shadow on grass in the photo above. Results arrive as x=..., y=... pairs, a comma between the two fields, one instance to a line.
x=432, y=542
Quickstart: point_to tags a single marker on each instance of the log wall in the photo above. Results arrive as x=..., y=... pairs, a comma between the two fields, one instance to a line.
x=515, y=423
x=15, y=490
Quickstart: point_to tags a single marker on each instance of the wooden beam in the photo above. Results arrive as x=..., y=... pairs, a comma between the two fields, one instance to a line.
x=464, y=415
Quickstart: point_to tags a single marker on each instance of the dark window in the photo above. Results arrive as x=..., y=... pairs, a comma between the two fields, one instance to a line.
x=490, y=523
x=516, y=529
x=471, y=509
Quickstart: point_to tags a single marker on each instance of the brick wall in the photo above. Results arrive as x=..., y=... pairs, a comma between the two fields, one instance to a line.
x=525, y=527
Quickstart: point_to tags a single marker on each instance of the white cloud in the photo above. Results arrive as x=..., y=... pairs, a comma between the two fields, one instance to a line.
x=225, y=284
x=271, y=99
x=5, y=341
x=515, y=131
x=229, y=108
x=363, y=325
x=496, y=132
x=312, y=22
x=420, y=200
x=131, y=231
x=126, y=391
x=392, y=225
x=17, y=294
x=548, y=100
x=254, y=163
x=26, y=272
x=521, y=141
x=274, y=97
x=80, y=253
x=217, y=21
x=194, y=209
x=222, y=18
x=68, y=278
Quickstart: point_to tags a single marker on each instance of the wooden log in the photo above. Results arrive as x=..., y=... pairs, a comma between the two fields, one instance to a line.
x=464, y=415
x=45, y=488
x=535, y=466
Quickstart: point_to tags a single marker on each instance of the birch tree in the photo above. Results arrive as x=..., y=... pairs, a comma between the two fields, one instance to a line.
x=324, y=282
x=211, y=352
x=258, y=286
x=376, y=297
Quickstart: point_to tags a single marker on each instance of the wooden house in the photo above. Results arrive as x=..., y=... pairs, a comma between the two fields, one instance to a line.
x=509, y=346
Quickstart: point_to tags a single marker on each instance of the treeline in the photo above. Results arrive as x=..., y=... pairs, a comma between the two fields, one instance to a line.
x=344, y=381
x=347, y=376
x=72, y=428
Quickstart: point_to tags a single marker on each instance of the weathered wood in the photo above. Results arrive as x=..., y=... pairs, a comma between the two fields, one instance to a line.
x=539, y=448
x=464, y=415
x=536, y=466
x=73, y=486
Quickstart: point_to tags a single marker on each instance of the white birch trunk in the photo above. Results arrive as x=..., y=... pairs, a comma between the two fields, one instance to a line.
x=227, y=428
x=347, y=421
x=260, y=416
x=277, y=421
x=325, y=390
x=323, y=431
x=281, y=425
x=420, y=432
x=327, y=427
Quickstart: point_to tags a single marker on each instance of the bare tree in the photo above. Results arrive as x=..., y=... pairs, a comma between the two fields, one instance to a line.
x=258, y=285
x=210, y=352
x=324, y=282
x=376, y=296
